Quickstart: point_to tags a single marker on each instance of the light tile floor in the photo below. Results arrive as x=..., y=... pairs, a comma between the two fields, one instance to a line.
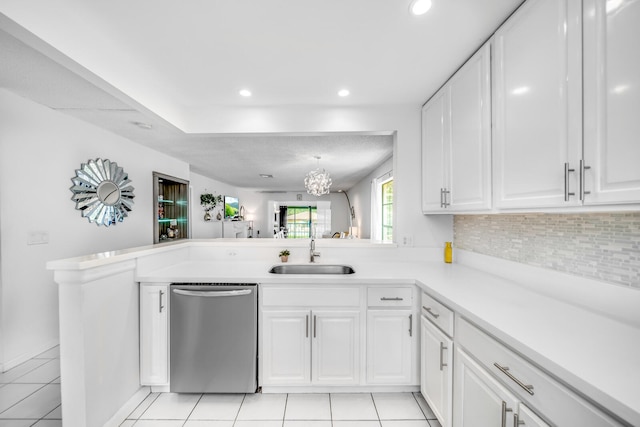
x=30, y=396
x=283, y=410
x=30, y=393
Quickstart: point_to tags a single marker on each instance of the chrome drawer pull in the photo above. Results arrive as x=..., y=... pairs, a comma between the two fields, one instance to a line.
x=160, y=307
x=391, y=299
x=435, y=315
x=504, y=413
x=505, y=370
x=517, y=421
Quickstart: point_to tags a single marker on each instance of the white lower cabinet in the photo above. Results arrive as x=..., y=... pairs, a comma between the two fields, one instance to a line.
x=496, y=387
x=286, y=349
x=310, y=335
x=304, y=347
x=392, y=332
x=436, y=371
x=479, y=399
x=389, y=346
x=527, y=418
x=154, y=334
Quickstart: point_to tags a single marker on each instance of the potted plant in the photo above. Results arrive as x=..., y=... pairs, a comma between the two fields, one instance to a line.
x=284, y=255
x=209, y=202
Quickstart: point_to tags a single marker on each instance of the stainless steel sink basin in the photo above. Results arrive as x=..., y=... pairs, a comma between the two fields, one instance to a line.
x=312, y=269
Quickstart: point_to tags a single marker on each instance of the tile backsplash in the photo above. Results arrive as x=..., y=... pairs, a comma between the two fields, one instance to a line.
x=602, y=246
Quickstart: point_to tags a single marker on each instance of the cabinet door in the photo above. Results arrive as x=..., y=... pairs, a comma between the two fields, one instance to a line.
x=469, y=147
x=335, y=350
x=436, y=382
x=434, y=155
x=389, y=346
x=154, y=335
x=286, y=347
x=525, y=417
x=612, y=101
x=537, y=105
x=480, y=401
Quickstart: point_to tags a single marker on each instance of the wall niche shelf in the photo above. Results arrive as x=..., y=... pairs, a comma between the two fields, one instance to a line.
x=171, y=212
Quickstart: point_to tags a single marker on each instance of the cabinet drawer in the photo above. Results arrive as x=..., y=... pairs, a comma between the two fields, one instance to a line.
x=437, y=313
x=310, y=296
x=390, y=297
x=537, y=389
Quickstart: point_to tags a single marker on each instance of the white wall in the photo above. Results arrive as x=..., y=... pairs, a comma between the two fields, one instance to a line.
x=201, y=229
x=360, y=195
x=40, y=149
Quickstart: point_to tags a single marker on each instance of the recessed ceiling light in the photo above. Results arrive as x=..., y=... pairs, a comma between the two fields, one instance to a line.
x=245, y=92
x=141, y=125
x=343, y=92
x=266, y=175
x=420, y=7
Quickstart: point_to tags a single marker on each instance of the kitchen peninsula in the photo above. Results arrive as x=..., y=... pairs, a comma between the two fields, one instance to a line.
x=562, y=327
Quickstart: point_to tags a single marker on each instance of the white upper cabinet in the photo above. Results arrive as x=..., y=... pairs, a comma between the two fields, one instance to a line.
x=537, y=99
x=611, y=102
x=434, y=134
x=456, y=141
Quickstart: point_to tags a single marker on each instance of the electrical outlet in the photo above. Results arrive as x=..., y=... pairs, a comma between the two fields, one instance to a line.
x=406, y=240
x=37, y=238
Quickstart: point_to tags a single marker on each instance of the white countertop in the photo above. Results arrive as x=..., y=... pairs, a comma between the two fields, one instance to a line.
x=594, y=354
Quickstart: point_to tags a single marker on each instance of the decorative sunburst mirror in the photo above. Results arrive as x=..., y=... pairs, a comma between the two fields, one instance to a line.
x=102, y=192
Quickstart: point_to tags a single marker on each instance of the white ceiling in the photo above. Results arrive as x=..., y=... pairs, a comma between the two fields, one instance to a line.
x=170, y=64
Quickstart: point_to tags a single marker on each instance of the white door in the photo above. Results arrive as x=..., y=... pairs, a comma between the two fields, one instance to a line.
x=389, y=346
x=527, y=418
x=154, y=335
x=480, y=401
x=434, y=158
x=470, y=143
x=612, y=101
x=537, y=69
x=436, y=382
x=335, y=351
x=286, y=347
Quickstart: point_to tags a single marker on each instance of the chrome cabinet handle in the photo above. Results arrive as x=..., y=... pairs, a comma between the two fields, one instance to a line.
x=411, y=325
x=582, y=180
x=441, y=197
x=435, y=315
x=445, y=192
x=160, y=306
x=391, y=299
x=442, y=349
x=306, y=327
x=505, y=370
x=567, y=194
x=315, y=324
x=517, y=421
x=504, y=413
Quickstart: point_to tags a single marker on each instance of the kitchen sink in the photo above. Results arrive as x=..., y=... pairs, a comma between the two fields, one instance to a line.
x=312, y=269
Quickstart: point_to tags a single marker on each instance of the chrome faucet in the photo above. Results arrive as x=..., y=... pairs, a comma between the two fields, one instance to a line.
x=312, y=251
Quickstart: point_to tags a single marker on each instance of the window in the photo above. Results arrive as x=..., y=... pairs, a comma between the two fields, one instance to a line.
x=382, y=208
x=300, y=221
x=387, y=211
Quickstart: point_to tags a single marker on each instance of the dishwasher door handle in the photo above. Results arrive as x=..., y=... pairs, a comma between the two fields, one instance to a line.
x=212, y=294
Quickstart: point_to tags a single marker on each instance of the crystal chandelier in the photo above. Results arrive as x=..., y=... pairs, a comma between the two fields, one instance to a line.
x=317, y=182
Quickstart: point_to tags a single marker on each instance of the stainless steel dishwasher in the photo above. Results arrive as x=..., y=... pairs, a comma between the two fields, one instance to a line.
x=214, y=338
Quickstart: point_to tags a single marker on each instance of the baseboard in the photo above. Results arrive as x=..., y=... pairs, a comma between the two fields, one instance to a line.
x=5, y=366
x=128, y=407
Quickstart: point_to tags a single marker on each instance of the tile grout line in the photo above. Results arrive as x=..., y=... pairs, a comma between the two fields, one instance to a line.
x=193, y=409
x=375, y=407
x=235, y=420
